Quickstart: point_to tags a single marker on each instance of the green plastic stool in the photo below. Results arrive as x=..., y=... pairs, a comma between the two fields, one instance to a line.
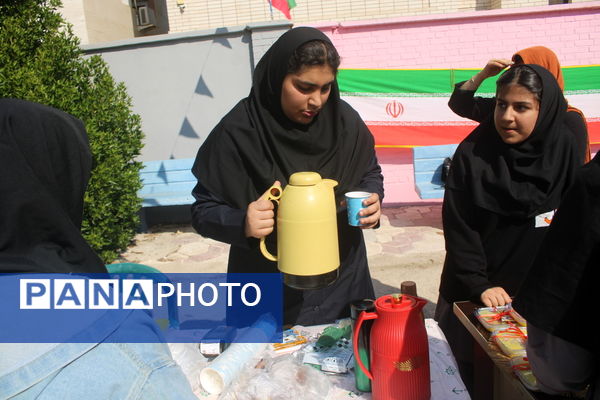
x=131, y=268
x=156, y=276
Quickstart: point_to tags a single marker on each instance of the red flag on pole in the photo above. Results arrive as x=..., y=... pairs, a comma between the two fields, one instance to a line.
x=284, y=6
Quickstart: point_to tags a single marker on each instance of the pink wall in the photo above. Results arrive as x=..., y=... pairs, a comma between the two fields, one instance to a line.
x=468, y=40
x=399, y=181
x=461, y=40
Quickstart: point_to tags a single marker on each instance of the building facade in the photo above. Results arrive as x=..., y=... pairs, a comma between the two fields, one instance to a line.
x=98, y=21
x=186, y=15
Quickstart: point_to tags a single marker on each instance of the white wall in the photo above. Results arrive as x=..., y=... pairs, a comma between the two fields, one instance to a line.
x=183, y=84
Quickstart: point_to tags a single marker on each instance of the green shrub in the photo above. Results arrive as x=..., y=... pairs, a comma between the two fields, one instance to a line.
x=40, y=60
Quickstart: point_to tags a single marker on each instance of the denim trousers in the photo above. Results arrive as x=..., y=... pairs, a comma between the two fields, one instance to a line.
x=103, y=371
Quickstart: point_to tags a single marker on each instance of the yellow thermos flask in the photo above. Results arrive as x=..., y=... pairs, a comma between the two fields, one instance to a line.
x=307, y=240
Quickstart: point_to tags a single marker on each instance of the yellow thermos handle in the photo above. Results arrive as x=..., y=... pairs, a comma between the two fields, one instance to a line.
x=273, y=194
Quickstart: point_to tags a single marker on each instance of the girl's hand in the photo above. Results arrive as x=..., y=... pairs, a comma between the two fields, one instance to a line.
x=260, y=216
x=371, y=214
x=494, y=66
x=495, y=297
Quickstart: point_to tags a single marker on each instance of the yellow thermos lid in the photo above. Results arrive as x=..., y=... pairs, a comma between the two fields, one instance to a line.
x=305, y=179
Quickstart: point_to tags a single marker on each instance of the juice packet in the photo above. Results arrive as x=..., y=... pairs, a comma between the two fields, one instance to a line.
x=517, y=317
x=493, y=318
x=522, y=369
x=511, y=340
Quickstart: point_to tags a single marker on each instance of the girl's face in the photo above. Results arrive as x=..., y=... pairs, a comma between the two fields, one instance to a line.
x=516, y=113
x=304, y=93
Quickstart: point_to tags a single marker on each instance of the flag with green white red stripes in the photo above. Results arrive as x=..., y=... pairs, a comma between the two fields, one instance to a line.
x=409, y=107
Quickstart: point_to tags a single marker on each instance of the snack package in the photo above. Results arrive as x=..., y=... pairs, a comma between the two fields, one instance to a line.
x=292, y=340
x=337, y=358
x=517, y=317
x=511, y=340
x=522, y=369
x=494, y=318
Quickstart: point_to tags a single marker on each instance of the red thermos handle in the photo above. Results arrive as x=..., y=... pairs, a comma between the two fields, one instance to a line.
x=364, y=315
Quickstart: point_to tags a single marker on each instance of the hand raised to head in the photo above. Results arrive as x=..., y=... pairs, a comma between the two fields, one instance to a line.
x=495, y=66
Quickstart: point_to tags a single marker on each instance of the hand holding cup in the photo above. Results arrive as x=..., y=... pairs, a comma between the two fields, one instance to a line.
x=364, y=209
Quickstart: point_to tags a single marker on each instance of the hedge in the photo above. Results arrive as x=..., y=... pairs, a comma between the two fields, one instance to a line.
x=41, y=61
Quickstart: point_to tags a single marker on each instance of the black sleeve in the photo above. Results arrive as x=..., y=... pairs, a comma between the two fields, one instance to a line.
x=465, y=256
x=467, y=105
x=372, y=180
x=213, y=218
x=578, y=127
x=559, y=365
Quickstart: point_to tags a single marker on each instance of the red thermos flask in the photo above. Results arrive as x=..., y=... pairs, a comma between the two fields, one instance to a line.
x=399, y=350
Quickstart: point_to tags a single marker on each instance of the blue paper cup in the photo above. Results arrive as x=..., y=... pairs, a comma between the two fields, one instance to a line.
x=354, y=203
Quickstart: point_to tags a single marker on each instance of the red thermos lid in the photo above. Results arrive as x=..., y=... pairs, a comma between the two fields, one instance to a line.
x=395, y=303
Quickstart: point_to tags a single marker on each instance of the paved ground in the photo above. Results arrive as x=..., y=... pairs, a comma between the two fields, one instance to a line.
x=409, y=245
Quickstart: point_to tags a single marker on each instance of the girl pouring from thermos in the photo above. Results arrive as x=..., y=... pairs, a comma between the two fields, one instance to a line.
x=293, y=120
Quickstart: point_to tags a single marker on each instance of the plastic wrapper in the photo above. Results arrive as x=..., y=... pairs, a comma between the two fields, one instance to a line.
x=494, y=318
x=511, y=340
x=337, y=358
x=517, y=317
x=522, y=369
x=282, y=378
x=292, y=341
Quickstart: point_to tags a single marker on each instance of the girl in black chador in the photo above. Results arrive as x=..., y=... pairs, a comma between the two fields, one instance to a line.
x=507, y=179
x=293, y=120
x=558, y=297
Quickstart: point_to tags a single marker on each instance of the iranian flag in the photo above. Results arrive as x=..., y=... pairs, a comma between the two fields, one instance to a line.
x=284, y=6
x=407, y=108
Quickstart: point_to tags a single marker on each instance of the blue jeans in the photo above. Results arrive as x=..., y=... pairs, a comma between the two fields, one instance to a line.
x=93, y=371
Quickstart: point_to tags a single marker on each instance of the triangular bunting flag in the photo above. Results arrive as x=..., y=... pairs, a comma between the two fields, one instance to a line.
x=202, y=88
x=162, y=172
x=187, y=130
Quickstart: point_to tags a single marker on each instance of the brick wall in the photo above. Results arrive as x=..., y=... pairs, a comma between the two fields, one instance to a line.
x=203, y=14
x=470, y=39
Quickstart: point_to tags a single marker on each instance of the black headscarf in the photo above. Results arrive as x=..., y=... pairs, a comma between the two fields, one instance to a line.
x=559, y=294
x=45, y=164
x=255, y=144
x=521, y=179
